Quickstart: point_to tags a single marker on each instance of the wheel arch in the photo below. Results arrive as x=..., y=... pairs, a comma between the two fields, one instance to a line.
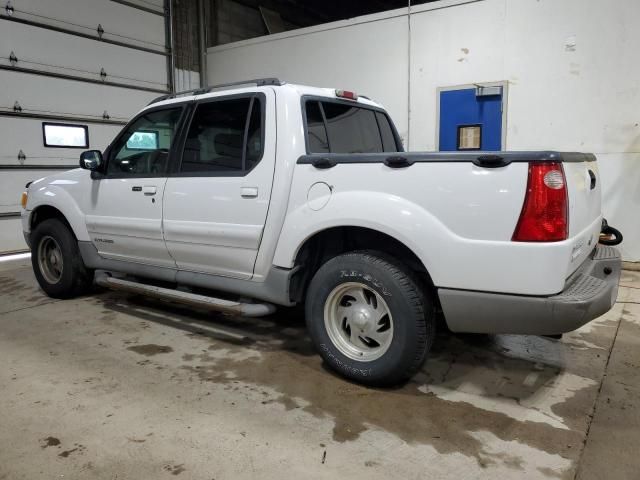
x=47, y=211
x=336, y=240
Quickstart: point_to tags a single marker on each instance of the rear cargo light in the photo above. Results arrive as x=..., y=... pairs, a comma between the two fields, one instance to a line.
x=346, y=94
x=545, y=213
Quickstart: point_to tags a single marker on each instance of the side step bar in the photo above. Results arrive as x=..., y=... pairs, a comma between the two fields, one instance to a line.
x=186, y=298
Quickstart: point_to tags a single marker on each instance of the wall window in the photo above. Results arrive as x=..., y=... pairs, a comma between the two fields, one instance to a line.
x=65, y=135
x=225, y=137
x=144, y=140
x=469, y=137
x=342, y=128
x=143, y=148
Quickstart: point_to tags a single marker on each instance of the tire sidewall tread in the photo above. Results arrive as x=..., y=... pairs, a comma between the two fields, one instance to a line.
x=76, y=279
x=411, y=308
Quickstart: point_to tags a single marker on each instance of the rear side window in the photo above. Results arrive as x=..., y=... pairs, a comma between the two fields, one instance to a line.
x=225, y=137
x=342, y=128
x=316, y=131
x=388, y=138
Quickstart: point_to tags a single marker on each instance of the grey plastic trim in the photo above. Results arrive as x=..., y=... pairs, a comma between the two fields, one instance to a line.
x=10, y=214
x=274, y=288
x=588, y=293
x=482, y=159
x=92, y=259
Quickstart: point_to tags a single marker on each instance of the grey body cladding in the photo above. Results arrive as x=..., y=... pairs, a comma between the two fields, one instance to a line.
x=481, y=159
x=588, y=293
x=274, y=288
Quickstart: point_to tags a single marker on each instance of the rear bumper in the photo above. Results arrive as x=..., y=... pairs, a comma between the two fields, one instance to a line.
x=588, y=293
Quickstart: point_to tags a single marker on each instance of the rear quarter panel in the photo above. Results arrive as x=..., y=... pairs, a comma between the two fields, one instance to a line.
x=456, y=217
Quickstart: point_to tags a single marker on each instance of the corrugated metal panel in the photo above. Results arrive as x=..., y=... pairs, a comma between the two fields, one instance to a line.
x=62, y=39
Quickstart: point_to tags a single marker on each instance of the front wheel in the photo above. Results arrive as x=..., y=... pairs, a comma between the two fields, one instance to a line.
x=56, y=260
x=369, y=318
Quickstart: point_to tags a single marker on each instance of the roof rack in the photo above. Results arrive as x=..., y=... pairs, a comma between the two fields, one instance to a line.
x=258, y=82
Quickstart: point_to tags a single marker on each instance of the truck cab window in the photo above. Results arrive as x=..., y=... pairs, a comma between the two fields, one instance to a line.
x=225, y=136
x=143, y=149
x=352, y=129
x=316, y=131
x=337, y=127
x=388, y=138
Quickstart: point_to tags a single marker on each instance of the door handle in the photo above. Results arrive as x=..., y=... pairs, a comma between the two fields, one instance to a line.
x=249, y=192
x=149, y=190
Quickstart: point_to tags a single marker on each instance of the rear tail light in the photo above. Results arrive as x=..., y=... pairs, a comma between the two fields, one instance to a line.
x=545, y=213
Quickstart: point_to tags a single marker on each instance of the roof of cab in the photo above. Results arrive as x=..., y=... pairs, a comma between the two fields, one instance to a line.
x=249, y=85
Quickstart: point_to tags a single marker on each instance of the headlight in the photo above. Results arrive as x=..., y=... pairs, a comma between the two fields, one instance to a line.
x=23, y=199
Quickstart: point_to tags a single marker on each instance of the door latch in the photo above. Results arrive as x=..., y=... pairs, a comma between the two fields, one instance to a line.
x=249, y=192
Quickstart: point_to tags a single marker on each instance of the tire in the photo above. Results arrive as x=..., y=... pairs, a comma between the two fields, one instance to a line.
x=390, y=347
x=56, y=260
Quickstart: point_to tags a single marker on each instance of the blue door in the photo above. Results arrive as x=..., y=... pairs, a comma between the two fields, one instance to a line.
x=471, y=119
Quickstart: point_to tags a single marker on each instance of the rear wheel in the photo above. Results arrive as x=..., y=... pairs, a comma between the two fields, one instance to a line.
x=369, y=318
x=56, y=260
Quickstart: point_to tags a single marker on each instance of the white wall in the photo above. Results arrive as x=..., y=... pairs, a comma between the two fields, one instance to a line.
x=582, y=97
x=369, y=57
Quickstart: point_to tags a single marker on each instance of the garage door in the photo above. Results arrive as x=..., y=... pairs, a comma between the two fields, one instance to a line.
x=72, y=73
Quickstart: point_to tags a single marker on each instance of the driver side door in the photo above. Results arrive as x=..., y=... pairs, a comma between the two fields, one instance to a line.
x=124, y=211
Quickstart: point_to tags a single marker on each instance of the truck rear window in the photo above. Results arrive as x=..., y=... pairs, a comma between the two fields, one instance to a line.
x=336, y=127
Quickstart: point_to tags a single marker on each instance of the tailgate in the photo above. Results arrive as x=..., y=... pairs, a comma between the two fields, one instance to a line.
x=585, y=213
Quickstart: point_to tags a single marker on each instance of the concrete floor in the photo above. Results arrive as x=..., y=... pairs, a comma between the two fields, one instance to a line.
x=115, y=386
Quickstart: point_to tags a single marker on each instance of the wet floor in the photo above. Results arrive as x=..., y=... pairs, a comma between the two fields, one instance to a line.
x=119, y=386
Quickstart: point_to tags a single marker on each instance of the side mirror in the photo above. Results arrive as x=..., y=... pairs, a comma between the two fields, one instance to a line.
x=91, y=160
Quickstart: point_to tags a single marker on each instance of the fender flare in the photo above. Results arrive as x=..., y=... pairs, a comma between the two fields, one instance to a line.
x=394, y=216
x=60, y=199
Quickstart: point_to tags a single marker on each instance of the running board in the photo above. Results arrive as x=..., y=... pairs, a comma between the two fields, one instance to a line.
x=186, y=298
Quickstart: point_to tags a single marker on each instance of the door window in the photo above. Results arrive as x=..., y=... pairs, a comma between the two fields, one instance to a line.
x=143, y=149
x=225, y=137
x=337, y=127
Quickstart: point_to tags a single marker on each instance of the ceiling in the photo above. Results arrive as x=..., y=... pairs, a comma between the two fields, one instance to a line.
x=313, y=12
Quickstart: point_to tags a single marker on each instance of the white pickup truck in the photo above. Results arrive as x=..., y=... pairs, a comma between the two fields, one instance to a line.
x=284, y=194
